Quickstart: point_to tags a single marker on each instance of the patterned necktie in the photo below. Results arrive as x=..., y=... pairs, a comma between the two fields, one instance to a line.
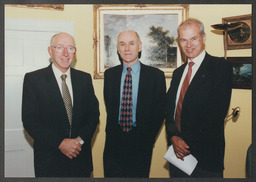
x=126, y=103
x=67, y=101
x=182, y=94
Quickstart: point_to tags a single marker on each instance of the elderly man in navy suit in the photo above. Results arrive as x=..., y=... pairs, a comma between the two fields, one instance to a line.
x=61, y=112
x=134, y=97
x=197, y=104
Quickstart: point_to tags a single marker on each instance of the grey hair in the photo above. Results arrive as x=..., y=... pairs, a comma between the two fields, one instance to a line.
x=192, y=21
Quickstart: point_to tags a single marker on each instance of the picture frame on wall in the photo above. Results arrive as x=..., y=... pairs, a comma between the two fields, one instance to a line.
x=241, y=37
x=156, y=26
x=242, y=72
x=58, y=7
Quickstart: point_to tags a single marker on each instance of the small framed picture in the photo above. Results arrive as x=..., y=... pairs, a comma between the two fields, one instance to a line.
x=241, y=37
x=242, y=72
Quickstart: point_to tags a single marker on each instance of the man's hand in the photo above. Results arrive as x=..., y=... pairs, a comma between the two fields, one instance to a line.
x=70, y=147
x=180, y=147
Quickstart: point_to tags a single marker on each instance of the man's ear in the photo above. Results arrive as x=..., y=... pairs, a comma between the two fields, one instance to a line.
x=140, y=46
x=204, y=38
x=50, y=51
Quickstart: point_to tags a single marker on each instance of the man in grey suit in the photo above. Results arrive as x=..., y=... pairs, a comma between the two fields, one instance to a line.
x=61, y=112
x=131, y=132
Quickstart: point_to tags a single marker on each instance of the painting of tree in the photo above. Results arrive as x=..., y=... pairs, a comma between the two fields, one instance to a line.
x=157, y=33
x=164, y=52
x=156, y=26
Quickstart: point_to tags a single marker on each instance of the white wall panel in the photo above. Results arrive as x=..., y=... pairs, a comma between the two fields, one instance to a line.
x=26, y=43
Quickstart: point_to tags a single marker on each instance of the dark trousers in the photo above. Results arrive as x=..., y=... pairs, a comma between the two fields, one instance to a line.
x=197, y=173
x=126, y=169
x=127, y=158
x=61, y=167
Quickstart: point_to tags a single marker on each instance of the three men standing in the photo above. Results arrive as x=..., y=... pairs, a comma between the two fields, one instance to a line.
x=61, y=112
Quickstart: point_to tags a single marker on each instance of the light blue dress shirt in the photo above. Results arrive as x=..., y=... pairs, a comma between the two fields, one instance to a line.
x=135, y=86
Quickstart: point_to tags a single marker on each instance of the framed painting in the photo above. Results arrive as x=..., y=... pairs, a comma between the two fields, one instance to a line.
x=242, y=72
x=156, y=26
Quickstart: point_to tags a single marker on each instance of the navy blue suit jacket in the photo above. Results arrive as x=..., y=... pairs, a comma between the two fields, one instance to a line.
x=45, y=119
x=204, y=109
x=149, y=114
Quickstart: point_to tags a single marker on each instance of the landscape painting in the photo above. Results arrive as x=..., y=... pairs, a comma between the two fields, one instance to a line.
x=157, y=29
x=242, y=72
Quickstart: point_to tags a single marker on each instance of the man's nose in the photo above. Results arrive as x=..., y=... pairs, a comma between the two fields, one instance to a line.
x=188, y=43
x=127, y=47
x=65, y=51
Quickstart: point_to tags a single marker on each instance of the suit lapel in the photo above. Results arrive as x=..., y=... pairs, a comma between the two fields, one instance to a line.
x=53, y=85
x=75, y=89
x=177, y=80
x=142, y=86
x=200, y=76
x=116, y=80
x=54, y=90
x=141, y=99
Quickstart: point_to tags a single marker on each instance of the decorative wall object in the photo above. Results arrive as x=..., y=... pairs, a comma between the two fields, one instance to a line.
x=242, y=72
x=240, y=38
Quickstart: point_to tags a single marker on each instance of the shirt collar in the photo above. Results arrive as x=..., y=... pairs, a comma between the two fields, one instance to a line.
x=199, y=59
x=58, y=73
x=135, y=67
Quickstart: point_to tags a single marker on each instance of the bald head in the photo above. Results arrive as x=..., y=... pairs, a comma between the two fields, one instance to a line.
x=62, y=34
x=129, y=46
x=129, y=32
x=62, y=50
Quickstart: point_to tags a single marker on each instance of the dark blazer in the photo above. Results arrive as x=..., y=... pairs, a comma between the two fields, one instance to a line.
x=45, y=119
x=204, y=109
x=149, y=115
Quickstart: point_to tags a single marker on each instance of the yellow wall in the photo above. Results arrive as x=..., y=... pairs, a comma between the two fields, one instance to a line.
x=238, y=133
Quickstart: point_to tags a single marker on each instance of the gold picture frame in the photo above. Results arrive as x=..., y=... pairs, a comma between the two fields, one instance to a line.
x=59, y=7
x=110, y=20
x=240, y=38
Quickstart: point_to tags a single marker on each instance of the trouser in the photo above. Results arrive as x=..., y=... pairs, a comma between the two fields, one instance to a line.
x=197, y=173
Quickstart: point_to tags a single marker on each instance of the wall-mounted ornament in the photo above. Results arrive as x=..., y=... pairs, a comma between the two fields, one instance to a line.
x=226, y=28
x=240, y=38
x=237, y=31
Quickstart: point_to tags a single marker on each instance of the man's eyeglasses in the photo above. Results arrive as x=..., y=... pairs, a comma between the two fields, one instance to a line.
x=60, y=49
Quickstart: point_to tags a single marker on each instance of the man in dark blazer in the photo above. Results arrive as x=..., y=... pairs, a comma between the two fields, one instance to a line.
x=200, y=130
x=128, y=154
x=62, y=147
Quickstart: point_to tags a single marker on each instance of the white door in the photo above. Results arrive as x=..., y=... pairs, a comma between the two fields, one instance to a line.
x=26, y=43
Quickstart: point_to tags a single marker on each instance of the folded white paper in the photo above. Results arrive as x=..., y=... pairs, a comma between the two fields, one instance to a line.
x=187, y=165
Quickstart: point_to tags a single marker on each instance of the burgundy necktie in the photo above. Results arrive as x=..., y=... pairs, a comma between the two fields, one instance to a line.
x=182, y=94
x=126, y=103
